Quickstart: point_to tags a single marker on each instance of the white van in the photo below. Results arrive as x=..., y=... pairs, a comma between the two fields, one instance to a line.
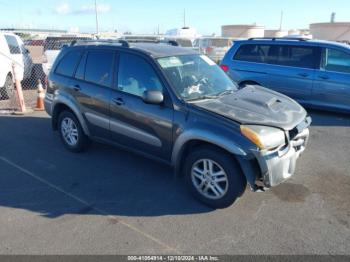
x=12, y=50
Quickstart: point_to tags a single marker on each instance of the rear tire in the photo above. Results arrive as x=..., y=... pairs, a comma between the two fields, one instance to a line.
x=220, y=187
x=8, y=88
x=71, y=132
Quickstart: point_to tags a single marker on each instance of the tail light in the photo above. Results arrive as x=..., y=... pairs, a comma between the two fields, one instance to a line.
x=225, y=68
x=208, y=50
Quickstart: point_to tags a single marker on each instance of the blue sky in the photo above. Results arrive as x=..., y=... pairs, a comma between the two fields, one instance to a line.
x=143, y=16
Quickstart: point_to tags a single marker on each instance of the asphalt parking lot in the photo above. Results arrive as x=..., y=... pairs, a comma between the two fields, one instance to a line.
x=109, y=201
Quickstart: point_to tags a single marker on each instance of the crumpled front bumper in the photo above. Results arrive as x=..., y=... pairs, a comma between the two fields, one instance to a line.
x=279, y=165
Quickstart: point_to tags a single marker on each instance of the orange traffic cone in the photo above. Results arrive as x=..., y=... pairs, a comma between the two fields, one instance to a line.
x=40, y=99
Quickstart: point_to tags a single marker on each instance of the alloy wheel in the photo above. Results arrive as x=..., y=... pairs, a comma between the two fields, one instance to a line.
x=209, y=178
x=69, y=131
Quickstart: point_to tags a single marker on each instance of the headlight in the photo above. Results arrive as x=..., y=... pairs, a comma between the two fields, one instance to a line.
x=264, y=137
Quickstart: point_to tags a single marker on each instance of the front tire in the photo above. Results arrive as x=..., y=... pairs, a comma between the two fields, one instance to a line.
x=214, y=177
x=71, y=132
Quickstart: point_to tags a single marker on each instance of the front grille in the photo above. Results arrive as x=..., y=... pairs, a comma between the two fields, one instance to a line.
x=299, y=128
x=293, y=133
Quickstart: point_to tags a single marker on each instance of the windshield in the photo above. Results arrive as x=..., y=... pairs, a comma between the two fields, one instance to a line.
x=196, y=77
x=184, y=42
x=220, y=42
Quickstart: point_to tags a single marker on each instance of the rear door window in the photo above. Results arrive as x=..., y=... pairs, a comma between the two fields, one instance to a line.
x=294, y=56
x=99, y=67
x=335, y=61
x=13, y=44
x=68, y=64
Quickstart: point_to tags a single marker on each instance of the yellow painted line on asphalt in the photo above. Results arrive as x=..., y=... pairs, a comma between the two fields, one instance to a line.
x=133, y=228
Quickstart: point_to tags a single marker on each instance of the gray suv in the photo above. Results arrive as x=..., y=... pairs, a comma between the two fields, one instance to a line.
x=177, y=106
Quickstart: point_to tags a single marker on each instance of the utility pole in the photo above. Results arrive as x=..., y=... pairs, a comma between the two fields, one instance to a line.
x=96, y=13
x=184, y=17
x=281, y=21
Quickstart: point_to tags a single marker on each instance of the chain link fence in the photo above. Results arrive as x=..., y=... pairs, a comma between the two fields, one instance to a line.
x=23, y=63
x=32, y=60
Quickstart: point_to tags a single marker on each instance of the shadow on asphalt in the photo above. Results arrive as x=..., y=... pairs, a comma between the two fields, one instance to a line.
x=322, y=118
x=106, y=178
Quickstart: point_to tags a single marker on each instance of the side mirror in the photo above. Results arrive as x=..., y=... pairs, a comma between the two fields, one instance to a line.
x=153, y=97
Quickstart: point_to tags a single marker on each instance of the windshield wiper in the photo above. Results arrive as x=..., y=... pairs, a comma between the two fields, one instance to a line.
x=226, y=92
x=202, y=98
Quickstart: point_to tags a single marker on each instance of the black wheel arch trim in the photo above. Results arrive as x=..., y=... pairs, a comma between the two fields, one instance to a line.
x=63, y=101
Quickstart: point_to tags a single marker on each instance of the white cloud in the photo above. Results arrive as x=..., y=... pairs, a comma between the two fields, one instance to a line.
x=65, y=9
x=101, y=8
x=74, y=29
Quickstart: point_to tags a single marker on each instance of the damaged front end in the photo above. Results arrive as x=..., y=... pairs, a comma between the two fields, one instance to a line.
x=278, y=164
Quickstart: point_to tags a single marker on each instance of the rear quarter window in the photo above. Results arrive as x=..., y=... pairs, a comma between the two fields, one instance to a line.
x=253, y=53
x=284, y=55
x=68, y=64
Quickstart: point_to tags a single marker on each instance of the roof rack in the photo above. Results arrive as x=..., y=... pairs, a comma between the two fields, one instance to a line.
x=279, y=38
x=155, y=41
x=123, y=43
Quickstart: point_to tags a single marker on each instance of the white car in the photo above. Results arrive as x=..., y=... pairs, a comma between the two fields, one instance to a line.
x=12, y=51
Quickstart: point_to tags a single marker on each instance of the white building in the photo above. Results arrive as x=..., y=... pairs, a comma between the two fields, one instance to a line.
x=184, y=32
x=275, y=33
x=242, y=31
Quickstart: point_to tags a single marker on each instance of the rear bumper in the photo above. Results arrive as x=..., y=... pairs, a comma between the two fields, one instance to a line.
x=48, y=105
x=279, y=165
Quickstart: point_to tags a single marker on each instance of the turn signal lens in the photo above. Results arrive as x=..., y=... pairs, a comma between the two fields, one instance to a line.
x=264, y=137
x=252, y=136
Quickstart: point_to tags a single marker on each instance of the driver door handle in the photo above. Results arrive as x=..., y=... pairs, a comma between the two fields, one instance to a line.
x=77, y=88
x=118, y=101
x=303, y=74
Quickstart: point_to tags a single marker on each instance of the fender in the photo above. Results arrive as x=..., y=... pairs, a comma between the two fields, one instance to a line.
x=249, y=170
x=74, y=107
x=209, y=137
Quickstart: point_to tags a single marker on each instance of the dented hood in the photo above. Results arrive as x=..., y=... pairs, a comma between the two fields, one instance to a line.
x=259, y=106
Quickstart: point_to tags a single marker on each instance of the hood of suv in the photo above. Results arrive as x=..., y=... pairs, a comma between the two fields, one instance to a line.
x=259, y=106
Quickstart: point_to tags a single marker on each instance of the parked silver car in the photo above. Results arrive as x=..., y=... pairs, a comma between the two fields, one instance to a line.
x=214, y=47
